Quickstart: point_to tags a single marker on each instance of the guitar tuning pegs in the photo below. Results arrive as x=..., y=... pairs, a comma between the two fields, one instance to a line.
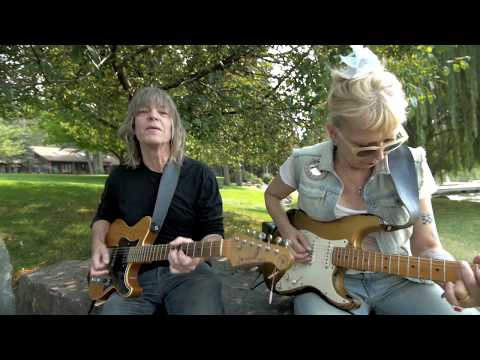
x=286, y=242
x=269, y=238
x=262, y=236
x=278, y=240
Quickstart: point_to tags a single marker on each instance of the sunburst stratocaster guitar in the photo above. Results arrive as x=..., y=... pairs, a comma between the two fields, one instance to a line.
x=336, y=247
x=130, y=247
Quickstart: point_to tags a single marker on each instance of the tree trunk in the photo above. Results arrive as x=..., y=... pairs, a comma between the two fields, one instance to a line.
x=238, y=175
x=226, y=175
x=89, y=158
x=95, y=162
x=98, y=163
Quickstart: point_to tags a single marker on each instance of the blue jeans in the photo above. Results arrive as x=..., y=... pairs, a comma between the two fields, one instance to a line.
x=385, y=294
x=194, y=293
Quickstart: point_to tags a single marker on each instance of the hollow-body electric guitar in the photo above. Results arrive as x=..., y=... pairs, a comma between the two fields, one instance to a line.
x=336, y=247
x=130, y=247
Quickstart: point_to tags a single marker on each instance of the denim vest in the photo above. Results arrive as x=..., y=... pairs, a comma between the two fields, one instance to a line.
x=319, y=189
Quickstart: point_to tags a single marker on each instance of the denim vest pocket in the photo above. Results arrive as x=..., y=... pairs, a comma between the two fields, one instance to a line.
x=391, y=210
x=312, y=190
x=312, y=201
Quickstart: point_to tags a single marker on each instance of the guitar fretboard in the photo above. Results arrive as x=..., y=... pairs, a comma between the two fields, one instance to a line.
x=146, y=254
x=408, y=266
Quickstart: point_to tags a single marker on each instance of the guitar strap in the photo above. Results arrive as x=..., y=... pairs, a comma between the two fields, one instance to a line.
x=168, y=184
x=404, y=176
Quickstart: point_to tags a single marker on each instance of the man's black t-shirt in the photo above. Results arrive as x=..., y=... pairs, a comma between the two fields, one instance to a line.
x=195, y=210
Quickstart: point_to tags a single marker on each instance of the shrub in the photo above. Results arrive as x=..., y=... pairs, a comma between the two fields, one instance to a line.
x=252, y=178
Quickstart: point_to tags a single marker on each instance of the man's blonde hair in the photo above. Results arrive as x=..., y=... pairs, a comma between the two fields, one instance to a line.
x=158, y=98
x=377, y=101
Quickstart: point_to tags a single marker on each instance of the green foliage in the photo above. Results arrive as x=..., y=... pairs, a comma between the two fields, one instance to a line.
x=240, y=104
x=16, y=136
x=252, y=178
x=451, y=119
x=10, y=145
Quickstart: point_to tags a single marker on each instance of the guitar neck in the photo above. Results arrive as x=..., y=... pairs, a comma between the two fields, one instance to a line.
x=147, y=254
x=406, y=266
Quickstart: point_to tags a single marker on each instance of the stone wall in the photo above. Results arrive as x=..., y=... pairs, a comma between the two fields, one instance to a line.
x=61, y=289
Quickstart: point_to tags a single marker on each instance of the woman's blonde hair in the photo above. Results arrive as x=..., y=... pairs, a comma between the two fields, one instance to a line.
x=376, y=99
x=158, y=98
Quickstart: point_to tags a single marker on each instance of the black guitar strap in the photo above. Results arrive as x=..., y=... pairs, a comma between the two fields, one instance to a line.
x=167, y=187
x=404, y=175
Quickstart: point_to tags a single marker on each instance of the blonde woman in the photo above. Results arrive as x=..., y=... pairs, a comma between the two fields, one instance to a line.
x=366, y=107
x=154, y=135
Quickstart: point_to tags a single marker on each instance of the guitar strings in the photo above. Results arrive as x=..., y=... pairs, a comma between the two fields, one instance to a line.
x=346, y=255
x=147, y=251
x=340, y=252
x=163, y=250
x=161, y=247
x=126, y=249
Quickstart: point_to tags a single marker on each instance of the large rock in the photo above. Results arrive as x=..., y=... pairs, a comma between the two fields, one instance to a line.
x=7, y=300
x=62, y=289
x=59, y=289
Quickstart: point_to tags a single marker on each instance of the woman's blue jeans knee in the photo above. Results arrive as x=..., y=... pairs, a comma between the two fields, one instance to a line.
x=385, y=294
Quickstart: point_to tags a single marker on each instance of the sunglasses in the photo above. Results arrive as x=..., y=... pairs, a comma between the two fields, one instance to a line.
x=371, y=151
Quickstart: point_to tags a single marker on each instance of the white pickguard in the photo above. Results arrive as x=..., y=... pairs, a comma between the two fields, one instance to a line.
x=318, y=273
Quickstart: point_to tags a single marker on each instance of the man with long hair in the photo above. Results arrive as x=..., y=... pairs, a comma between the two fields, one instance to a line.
x=154, y=136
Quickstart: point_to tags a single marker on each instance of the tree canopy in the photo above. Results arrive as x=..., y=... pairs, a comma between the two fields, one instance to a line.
x=247, y=104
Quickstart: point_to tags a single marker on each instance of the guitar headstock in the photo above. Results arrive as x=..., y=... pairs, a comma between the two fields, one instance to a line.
x=247, y=249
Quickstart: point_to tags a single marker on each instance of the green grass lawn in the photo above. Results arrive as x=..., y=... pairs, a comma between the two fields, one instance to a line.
x=45, y=218
x=458, y=224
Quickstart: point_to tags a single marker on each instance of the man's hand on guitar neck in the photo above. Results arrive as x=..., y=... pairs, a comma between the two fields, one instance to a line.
x=179, y=262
